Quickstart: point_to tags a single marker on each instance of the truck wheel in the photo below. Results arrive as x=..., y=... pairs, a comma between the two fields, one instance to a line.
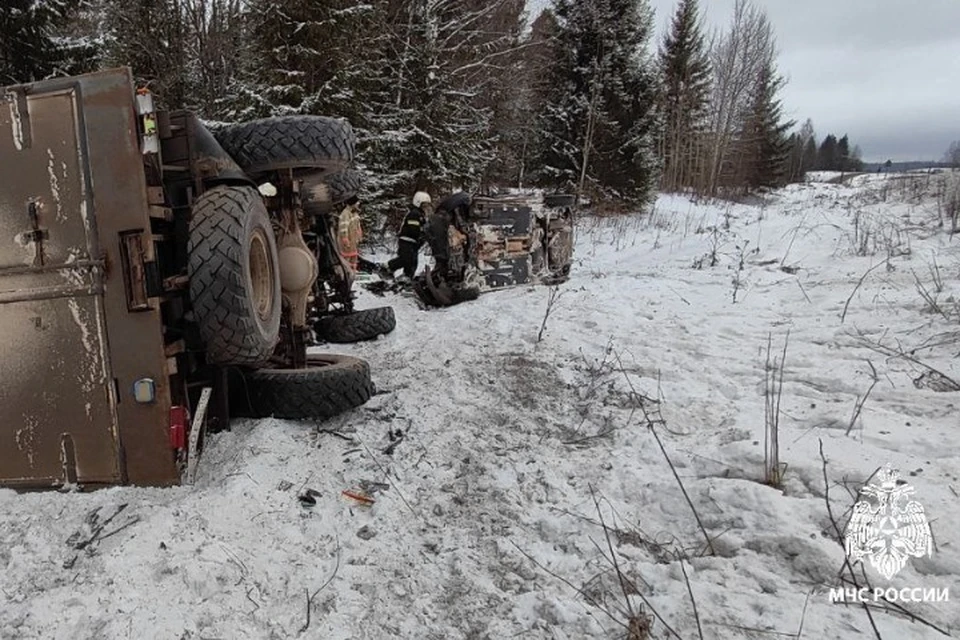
x=289, y=142
x=358, y=326
x=323, y=191
x=328, y=386
x=234, y=276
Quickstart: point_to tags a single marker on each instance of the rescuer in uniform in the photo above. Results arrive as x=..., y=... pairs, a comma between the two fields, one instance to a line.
x=411, y=237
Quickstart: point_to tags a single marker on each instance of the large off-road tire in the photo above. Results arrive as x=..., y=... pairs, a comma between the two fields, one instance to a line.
x=289, y=142
x=329, y=386
x=358, y=326
x=234, y=276
x=323, y=192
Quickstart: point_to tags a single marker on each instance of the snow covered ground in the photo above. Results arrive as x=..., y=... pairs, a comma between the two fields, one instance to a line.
x=513, y=449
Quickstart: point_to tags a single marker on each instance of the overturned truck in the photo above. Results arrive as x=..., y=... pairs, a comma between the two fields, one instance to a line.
x=155, y=280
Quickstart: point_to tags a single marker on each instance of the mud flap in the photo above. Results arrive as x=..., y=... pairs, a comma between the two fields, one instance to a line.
x=197, y=431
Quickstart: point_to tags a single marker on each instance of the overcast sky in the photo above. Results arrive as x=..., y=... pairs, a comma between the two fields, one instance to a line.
x=886, y=72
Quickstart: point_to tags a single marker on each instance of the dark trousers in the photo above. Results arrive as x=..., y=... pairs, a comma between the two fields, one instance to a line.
x=407, y=258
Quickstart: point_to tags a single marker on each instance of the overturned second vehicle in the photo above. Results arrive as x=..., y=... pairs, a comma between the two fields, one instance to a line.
x=485, y=243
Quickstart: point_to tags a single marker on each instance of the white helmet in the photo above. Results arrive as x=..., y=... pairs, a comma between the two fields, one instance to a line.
x=420, y=197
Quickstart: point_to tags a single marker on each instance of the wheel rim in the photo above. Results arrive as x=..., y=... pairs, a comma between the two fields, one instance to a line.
x=261, y=275
x=314, y=361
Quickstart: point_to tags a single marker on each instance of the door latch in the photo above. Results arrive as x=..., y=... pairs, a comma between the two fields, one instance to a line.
x=35, y=235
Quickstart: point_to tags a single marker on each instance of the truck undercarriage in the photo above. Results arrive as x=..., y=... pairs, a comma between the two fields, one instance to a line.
x=148, y=273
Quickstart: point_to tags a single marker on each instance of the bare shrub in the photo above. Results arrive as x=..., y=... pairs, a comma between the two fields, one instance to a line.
x=738, y=274
x=552, y=297
x=876, y=234
x=773, y=392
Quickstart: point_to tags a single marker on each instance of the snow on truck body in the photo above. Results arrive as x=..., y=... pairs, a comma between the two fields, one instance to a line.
x=74, y=191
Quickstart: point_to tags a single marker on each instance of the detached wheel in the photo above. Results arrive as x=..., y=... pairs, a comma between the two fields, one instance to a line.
x=289, y=142
x=330, y=385
x=234, y=276
x=358, y=326
x=323, y=192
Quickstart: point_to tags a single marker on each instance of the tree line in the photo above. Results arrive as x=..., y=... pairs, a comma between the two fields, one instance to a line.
x=832, y=154
x=466, y=94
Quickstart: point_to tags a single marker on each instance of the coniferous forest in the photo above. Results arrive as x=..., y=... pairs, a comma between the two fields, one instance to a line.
x=471, y=94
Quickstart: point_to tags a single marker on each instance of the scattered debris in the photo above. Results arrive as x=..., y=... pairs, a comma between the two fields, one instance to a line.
x=308, y=498
x=96, y=528
x=396, y=437
x=371, y=488
x=936, y=381
x=284, y=485
x=338, y=434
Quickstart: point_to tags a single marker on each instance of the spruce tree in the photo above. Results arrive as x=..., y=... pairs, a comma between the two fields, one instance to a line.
x=795, y=164
x=843, y=154
x=599, y=125
x=685, y=74
x=81, y=39
x=538, y=70
x=309, y=57
x=809, y=138
x=506, y=88
x=828, y=154
x=150, y=36
x=811, y=156
x=436, y=81
x=764, y=147
x=30, y=45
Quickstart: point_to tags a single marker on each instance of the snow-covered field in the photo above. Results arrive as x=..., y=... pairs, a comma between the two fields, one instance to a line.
x=488, y=523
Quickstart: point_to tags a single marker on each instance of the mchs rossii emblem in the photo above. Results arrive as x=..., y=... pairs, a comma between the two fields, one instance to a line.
x=888, y=527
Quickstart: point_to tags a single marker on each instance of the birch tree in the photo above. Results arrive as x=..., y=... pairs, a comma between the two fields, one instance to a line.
x=739, y=57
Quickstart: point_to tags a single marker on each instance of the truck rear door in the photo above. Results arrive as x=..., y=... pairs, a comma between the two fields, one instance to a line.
x=71, y=182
